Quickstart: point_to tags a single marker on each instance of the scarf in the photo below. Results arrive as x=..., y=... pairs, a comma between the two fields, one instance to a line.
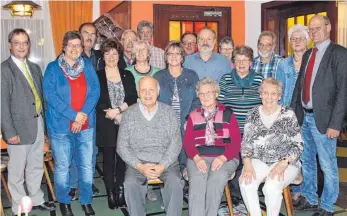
x=210, y=133
x=245, y=82
x=71, y=72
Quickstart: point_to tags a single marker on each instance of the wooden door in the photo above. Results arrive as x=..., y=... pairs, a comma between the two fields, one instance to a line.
x=171, y=21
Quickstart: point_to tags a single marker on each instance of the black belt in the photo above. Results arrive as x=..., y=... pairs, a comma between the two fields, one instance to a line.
x=308, y=110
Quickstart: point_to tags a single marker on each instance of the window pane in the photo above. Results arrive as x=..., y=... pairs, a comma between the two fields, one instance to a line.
x=214, y=27
x=198, y=26
x=187, y=27
x=342, y=24
x=174, y=30
x=323, y=13
x=300, y=20
x=290, y=23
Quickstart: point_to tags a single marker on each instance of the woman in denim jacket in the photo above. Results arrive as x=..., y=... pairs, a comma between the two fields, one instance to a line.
x=177, y=87
x=288, y=68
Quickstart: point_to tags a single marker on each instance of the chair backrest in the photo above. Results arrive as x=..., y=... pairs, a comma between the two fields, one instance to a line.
x=3, y=144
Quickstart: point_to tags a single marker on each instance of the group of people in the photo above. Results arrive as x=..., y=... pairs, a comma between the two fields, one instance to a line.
x=160, y=113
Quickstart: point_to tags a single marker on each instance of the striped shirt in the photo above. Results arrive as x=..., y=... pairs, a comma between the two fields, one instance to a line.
x=269, y=69
x=241, y=100
x=176, y=106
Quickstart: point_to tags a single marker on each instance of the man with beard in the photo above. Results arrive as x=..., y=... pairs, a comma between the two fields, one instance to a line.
x=207, y=63
x=127, y=40
x=267, y=61
x=88, y=32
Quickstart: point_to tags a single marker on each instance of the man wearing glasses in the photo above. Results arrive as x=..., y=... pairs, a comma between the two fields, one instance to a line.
x=319, y=102
x=188, y=41
x=128, y=39
x=267, y=61
x=23, y=122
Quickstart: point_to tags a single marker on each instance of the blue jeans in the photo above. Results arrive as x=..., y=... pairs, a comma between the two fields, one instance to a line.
x=79, y=146
x=317, y=143
x=73, y=168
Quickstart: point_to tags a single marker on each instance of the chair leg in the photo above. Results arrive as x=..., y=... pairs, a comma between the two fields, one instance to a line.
x=229, y=201
x=288, y=201
x=48, y=179
x=51, y=165
x=4, y=183
x=1, y=208
x=248, y=214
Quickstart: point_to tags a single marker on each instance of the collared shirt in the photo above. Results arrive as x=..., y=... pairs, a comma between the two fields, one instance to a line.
x=19, y=64
x=95, y=58
x=322, y=47
x=215, y=67
x=145, y=113
x=128, y=61
x=157, y=57
x=267, y=69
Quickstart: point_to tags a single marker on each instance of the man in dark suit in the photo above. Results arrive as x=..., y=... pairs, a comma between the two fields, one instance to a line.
x=320, y=103
x=128, y=39
x=22, y=124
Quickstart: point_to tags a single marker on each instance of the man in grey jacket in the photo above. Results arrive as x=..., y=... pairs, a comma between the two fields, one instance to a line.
x=22, y=121
x=149, y=142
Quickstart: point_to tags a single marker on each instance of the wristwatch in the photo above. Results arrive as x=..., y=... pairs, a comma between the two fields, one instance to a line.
x=119, y=109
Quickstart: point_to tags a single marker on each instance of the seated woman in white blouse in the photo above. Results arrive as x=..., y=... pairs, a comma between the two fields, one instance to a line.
x=270, y=149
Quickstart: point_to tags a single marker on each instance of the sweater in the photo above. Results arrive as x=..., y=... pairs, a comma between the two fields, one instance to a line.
x=154, y=141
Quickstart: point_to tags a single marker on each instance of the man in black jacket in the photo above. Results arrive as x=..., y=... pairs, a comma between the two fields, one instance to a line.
x=128, y=39
x=320, y=104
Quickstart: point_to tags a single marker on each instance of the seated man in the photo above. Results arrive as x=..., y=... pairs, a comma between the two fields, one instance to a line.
x=149, y=142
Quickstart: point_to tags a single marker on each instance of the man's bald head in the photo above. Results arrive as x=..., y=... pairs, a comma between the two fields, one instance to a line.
x=148, y=91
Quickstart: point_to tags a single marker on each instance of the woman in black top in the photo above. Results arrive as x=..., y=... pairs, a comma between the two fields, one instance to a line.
x=117, y=93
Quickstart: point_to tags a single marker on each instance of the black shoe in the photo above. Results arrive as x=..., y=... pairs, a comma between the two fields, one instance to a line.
x=95, y=190
x=322, y=212
x=88, y=209
x=119, y=193
x=72, y=193
x=65, y=209
x=22, y=214
x=304, y=205
x=111, y=199
x=46, y=206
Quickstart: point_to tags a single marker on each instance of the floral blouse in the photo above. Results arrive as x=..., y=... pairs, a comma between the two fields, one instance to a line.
x=281, y=141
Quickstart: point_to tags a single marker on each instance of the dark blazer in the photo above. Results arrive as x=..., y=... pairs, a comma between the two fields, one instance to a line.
x=329, y=90
x=106, y=130
x=18, y=111
x=121, y=62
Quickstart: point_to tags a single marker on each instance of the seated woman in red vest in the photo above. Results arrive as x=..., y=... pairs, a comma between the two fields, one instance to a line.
x=212, y=143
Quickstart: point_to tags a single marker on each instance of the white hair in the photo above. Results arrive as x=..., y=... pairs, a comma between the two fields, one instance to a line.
x=299, y=28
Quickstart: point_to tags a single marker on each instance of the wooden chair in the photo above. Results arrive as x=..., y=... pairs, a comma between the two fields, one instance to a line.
x=48, y=158
x=226, y=191
x=287, y=196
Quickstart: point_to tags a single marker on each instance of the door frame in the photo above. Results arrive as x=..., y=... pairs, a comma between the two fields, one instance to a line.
x=163, y=13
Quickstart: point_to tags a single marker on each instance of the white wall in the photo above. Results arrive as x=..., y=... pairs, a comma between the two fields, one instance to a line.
x=253, y=22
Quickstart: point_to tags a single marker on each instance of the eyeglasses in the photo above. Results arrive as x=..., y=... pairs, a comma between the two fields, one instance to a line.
x=267, y=46
x=17, y=43
x=173, y=54
x=128, y=40
x=241, y=61
x=207, y=94
x=76, y=46
x=315, y=29
x=271, y=94
x=226, y=49
x=299, y=39
x=143, y=33
x=189, y=43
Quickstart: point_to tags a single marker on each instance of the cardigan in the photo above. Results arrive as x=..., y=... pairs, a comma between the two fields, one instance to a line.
x=229, y=146
x=281, y=141
x=106, y=130
x=57, y=93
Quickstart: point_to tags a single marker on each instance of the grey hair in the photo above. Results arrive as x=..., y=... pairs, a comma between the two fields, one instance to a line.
x=127, y=31
x=145, y=23
x=207, y=81
x=299, y=28
x=137, y=86
x=272, y=81
x=269, y=34
x=136, y=44
x=226, y=40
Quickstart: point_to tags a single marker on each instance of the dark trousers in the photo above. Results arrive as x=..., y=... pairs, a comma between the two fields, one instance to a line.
x=111, y=158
